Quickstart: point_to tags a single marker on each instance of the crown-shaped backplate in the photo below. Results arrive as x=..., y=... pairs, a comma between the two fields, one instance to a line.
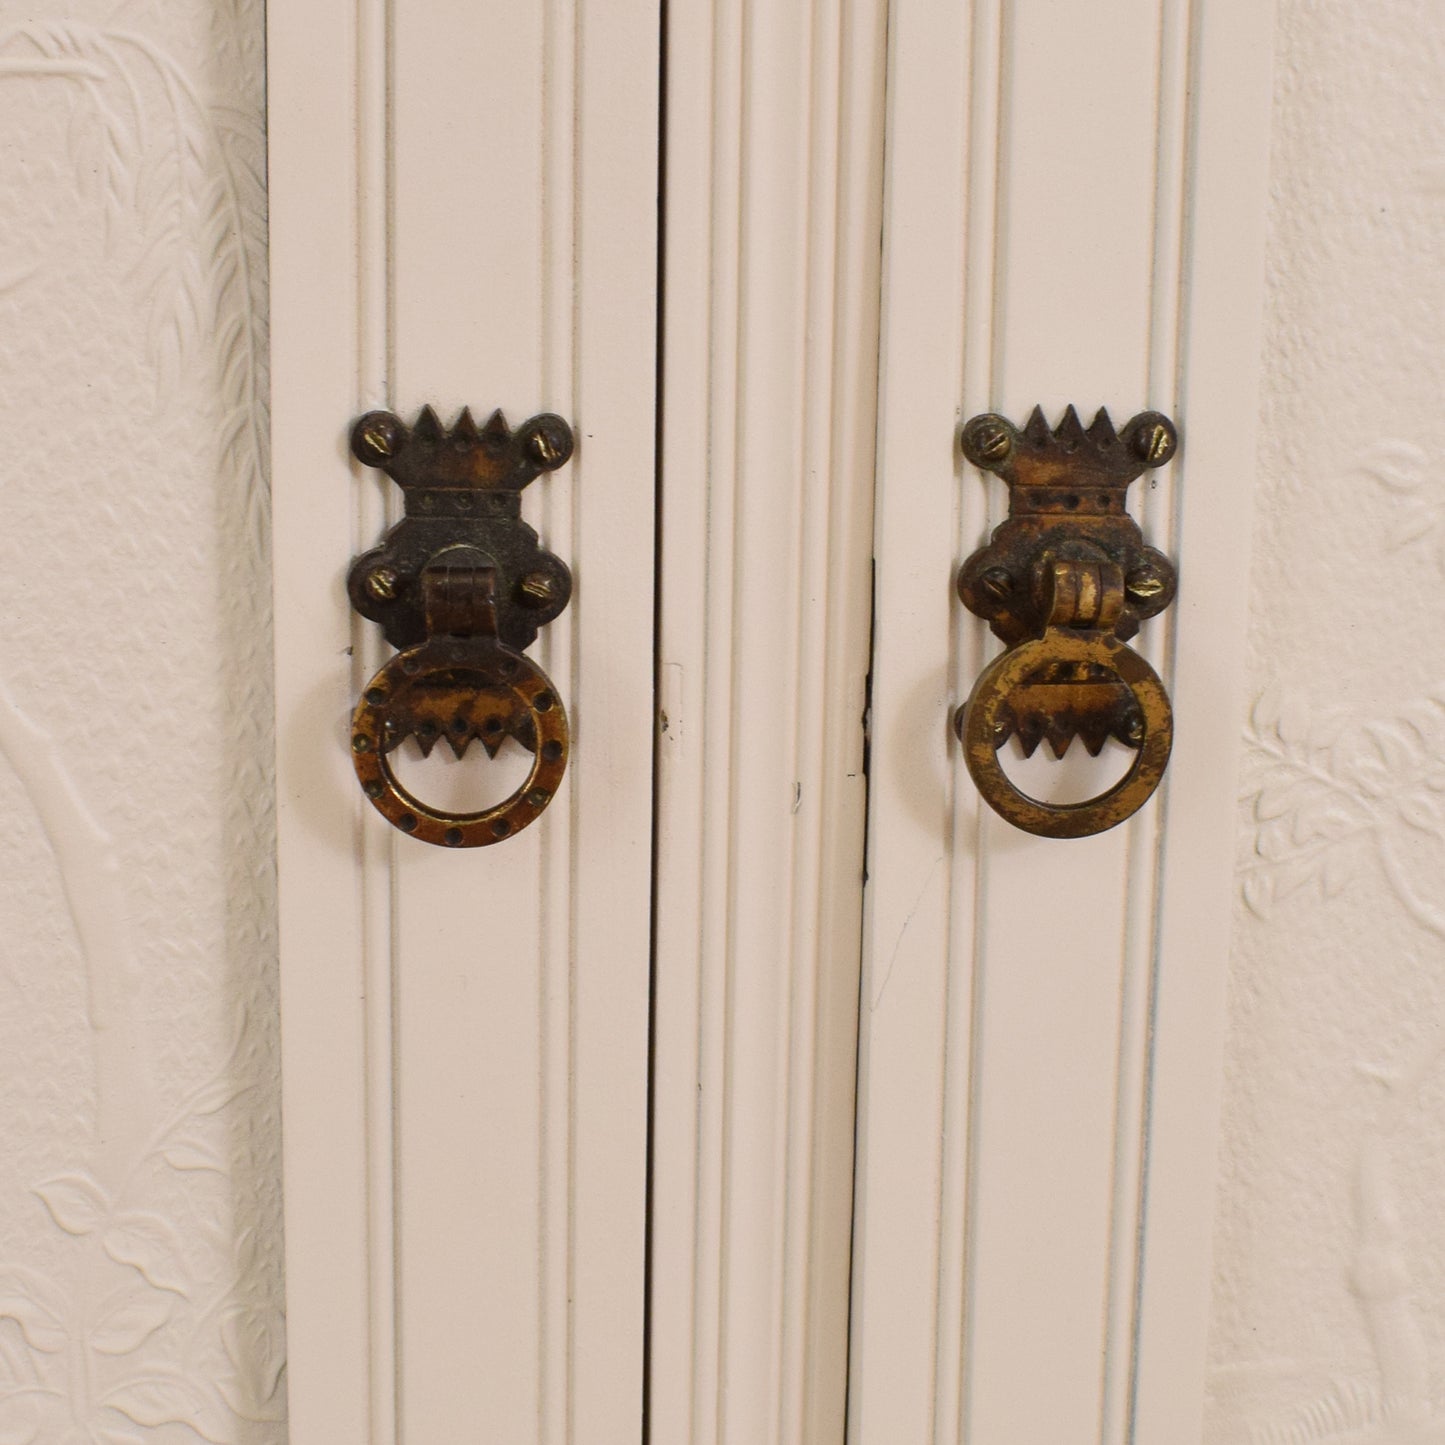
x=1045, y=468
x=463, y=490
x=490, y=458
x=1067, y=507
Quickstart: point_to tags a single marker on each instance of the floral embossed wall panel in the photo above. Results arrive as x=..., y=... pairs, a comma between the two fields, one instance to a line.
x=1329, y=1313
x=140, y=1288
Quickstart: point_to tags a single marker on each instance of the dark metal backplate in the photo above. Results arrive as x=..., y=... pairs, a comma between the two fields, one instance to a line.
x=1067, y=505
x=463, y=492
x=1067, y=490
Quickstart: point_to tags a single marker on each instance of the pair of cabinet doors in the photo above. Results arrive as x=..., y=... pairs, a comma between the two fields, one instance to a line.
x=768, y=1089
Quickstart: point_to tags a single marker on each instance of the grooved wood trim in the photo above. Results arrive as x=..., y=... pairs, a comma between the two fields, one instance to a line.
x=463, y=212
x=773, y=180
x=1041, y=1020
x=1220, y=338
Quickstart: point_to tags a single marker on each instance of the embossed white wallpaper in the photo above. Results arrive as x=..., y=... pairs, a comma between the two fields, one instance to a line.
x=1329, y=1307
x=140, y=1261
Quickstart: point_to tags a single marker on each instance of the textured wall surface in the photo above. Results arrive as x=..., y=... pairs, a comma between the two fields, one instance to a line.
x=140, y=1279
x=1329, y=1313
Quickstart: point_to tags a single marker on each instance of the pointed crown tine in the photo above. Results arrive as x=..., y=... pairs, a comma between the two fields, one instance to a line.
x=464, y=456
x=1071, y=455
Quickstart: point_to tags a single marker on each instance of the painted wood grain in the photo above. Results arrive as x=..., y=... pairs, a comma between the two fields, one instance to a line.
x=1043, y=241
x=472, y=222
x=772, y=211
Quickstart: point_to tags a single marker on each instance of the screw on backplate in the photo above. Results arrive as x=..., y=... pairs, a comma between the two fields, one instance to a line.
x=1144, y=584
x=379, y=439
x=1135, y=730
x=378, y=436
x=990, y=440
x=538, y=589
x=381, y=584
x=1154, y=443
x=997, y=583
x=543, y=449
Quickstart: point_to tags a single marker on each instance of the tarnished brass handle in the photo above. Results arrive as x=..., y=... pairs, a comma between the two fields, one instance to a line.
x=459, y=691
x=982, y=723
x=1065, y=581
x=461, y=586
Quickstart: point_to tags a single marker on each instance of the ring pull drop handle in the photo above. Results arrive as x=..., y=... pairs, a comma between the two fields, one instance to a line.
x=460, y=586
x=1065, y=581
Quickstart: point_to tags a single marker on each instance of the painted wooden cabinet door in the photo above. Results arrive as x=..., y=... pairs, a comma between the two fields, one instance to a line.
x=768, y=1089
x=1075, y=204
x=463, y=204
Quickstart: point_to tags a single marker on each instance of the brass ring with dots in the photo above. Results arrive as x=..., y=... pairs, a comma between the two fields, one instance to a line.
x=459, y=690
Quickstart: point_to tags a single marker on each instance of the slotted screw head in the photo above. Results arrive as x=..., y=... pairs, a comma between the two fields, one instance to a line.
x=1144, y=584
x=378, y=439
x=997, y=583
x=543, y=450
x=381, y=584
x=988, y=440
x=1154, y=443
x=538, y=588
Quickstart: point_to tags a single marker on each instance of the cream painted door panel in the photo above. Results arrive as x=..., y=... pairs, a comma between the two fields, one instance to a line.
x=1075, y=204
x=463, y=203
x=597, y=1090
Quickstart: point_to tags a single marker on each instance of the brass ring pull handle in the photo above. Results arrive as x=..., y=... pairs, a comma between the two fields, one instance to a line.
x=982, y=724
x=1065, y=581
x=461, y=586
x=450, y=689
